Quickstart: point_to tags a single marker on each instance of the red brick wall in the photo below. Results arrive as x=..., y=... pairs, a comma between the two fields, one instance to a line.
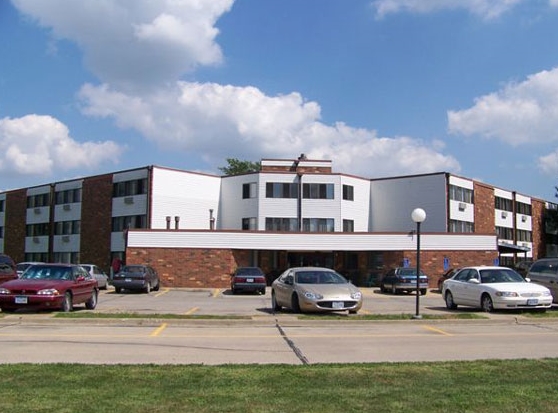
x=96, y=221
x=211, y=268
x=484, y=209
x=14, y=230
x=538, y=228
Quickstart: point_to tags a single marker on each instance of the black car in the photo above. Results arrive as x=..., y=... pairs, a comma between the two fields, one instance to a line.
x=7, y=268
x=403, y=279
x=248, y=279
x=136, y=277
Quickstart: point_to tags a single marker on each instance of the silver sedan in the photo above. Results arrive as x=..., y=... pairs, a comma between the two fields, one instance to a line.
x=314, y=289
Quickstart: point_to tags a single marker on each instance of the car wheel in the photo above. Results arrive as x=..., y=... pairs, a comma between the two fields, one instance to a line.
x=295, y=305
x=262, y=291
x=67, y=303
x=158, y=286
x=383, y=288
x=92, y=302
x=147, y=288
x=8, y=310
x=486, y=303
x=117, y=290
x=353, y=311
x=274, y=304
x=233, y=290
x=393, y=289
x=423, y=291
x=450, y=304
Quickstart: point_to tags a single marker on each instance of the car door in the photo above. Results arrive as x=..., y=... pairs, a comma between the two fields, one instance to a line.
x=461, y=287
x=83, y=284
x=283, y=288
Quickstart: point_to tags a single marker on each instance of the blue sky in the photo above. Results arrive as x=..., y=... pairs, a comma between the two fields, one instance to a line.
x=380, y=87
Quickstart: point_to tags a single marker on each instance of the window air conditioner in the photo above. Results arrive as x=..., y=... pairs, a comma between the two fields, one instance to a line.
x=67, y=207
x=36, y=240
x=129, y=200
x=523, y=218
x=462, y=206
x=504, y=214
x=65, y=238
x=37, y=211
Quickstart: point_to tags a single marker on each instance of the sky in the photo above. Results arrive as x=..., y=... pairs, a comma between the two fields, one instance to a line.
x=380, y=87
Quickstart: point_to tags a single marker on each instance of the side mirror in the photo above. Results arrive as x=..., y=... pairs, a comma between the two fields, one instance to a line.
x=289, y=280
x=473, y=281
x=528, y=280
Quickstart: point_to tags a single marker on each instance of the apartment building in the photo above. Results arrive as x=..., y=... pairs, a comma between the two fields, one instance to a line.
x=196, y=228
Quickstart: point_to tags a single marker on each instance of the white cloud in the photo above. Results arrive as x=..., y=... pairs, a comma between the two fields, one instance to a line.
x=520, y=113
x=139, y=43
x=486, y=9
x=228, y=121
x=548, y=164
x=36, y=144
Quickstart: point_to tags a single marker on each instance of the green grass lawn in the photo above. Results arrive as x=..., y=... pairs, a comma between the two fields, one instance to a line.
x=521, y=386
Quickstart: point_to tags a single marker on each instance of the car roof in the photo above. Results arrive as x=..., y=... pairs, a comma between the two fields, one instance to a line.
x=311, y=269
x=6, y=258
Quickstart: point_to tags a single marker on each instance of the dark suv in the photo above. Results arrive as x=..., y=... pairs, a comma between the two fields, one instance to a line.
x=7, y=268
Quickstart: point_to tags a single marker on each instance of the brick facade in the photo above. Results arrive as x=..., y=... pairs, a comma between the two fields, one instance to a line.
x=211, y=268
x=15, y=229
x=484, y=209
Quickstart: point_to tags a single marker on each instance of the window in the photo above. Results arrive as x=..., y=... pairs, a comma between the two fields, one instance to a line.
x=1, y=232
x=504, y=233
x=524, y=236
x=458, y=193
x=36, y=201
x=348, y=225
x=130, y=188
x=281, y=190
x=249, y=224
x=318, y=224
x=348, y=193
x=1, y=205
x=281, y=224
x=133, y=221
x=317, y=191
x=249, y=190
x=503, y=204
x=68, y=196
x=67, y=227
x=37, y=230
x=522, y=208
x=461, y=226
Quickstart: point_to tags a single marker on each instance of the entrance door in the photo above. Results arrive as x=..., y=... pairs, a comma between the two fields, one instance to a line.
x=310, y=259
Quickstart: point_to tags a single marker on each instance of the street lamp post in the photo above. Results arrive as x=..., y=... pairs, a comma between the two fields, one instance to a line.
x=418, y=215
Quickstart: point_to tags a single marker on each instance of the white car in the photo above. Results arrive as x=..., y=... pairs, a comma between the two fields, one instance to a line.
x=101, y=277
x=491, y=288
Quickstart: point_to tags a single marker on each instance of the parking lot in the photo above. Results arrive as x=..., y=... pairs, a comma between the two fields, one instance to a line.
x=221, y=302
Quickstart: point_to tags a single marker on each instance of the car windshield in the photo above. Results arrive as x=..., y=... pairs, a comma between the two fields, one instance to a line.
x=490, y=276
x=319, y=277
x=410, y=271
x=39, y=272
x=248, y=271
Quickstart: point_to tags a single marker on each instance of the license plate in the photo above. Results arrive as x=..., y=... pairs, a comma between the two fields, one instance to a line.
x=20, y=300
x=337, y=304
x=532, y=301
x=128, y=280
x=249, y=280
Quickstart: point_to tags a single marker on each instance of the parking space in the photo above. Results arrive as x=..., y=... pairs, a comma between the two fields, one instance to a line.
x=223, y=303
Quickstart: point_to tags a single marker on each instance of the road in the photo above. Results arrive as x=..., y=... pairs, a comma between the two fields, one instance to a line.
x=265, y=337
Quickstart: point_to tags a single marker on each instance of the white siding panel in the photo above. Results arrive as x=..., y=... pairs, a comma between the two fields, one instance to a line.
x=503, y=218
x=357, y=210
x=64, y=186
x=67, y=212
x=503, y=194
x=45, y=189
x=129, y=205
x=461, y=182
x=38, y=215
x=117, y=241
x=233, y=206
x=462, y=211
x=308, y=242
x=66, y=243
x=36, y=244
x=522, y=198
x=187, y=195
x=392, y=201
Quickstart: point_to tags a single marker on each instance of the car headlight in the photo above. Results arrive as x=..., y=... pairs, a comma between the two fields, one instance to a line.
x=4, y=291
x=356, y=295
x=507, y=294
x=313, y=296
x=545, y=293
x=48, y=291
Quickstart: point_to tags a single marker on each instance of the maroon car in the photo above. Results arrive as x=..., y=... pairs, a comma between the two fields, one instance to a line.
x=50, y=286
x=7, y=268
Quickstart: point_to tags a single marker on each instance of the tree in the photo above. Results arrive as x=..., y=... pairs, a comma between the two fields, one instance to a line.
x=237, y=167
